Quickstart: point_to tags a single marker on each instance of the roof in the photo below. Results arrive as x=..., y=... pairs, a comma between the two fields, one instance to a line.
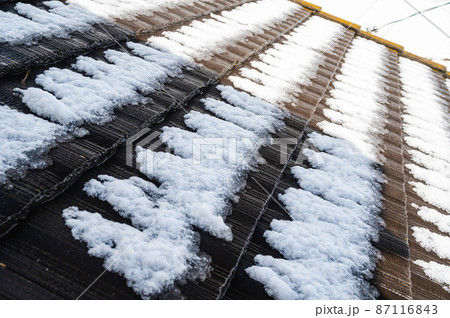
x=104, y=113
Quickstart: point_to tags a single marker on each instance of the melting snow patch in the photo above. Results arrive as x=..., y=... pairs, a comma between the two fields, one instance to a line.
x=293, y=62
x=150, y=259
x=202, y=38
x=430, y=162
x=327, y=245
x=432, y=241
x=356, y=110
x=161, y=248
x=126, y=8
x=433, y=195
x=70, y=98
x=437, y=272
x=33, y=23
x=23, y=140
x=425, y=124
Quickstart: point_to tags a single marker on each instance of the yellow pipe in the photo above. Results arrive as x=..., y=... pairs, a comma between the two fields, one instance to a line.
x=391, y=45
x=439, y=67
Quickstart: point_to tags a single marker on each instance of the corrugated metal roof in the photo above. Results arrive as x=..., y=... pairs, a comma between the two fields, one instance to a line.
x=42, y=259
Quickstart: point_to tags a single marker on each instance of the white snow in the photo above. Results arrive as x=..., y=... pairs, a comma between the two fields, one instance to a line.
x=430, y=177
x=24, y=138
x=200, y=39
x=425, y=124
x=430, y=162
x=327, y=245
x=197, y=182
x=356, y=110
x=437, y=272
x=71, y=98
x=127, y=9
x=432, y=241
x=442, y=221
x=433, y=195
x=240, y=116
x=31, y=23
x=277, y=72
x=151, y=259
x=196, y=189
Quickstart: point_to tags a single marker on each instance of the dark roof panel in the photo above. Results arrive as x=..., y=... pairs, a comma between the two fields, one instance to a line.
x=39, y=257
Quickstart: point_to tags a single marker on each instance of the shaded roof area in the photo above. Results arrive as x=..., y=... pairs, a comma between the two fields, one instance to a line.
x=363, y=101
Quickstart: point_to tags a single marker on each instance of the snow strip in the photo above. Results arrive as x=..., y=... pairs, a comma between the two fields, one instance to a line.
x=430, y=215
x=200, y=39
x=24, y=138
x=32, y=23
x=432, y=241
x=70, y=98
x=437, y=272
x=426, y=128
x=197, y=182
x=277, y=72
x=155, y=257
x=127, y=9
x=356, y=110
x=327, y=245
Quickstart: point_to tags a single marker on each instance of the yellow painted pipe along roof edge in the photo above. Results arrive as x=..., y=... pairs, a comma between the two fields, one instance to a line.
x=439, y=67
x=347, y=24
x=308, y=5
x=380, y=40
x=397, y=47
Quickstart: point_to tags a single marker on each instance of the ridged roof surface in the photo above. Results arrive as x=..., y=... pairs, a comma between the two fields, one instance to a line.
x=128, y=168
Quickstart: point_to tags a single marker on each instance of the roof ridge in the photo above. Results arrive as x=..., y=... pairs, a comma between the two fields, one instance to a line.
x=317, y=10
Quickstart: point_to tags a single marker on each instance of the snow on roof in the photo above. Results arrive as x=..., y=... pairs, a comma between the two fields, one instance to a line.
x=438, y=272
x=68, y=97
x=88, y=93
x=327, y=245
x=356, y=108
x=279, y=69
x=432, y=241
x=200, y=39
x=32, y=23
x=425, y=124
x=162, y=247
x=423, y=106
x=126, y=8
x=442, y=221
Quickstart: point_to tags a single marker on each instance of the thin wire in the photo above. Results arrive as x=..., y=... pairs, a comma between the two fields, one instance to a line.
x=388, y=30
x=423, y=15
x=145, y=69
x=374, y=29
